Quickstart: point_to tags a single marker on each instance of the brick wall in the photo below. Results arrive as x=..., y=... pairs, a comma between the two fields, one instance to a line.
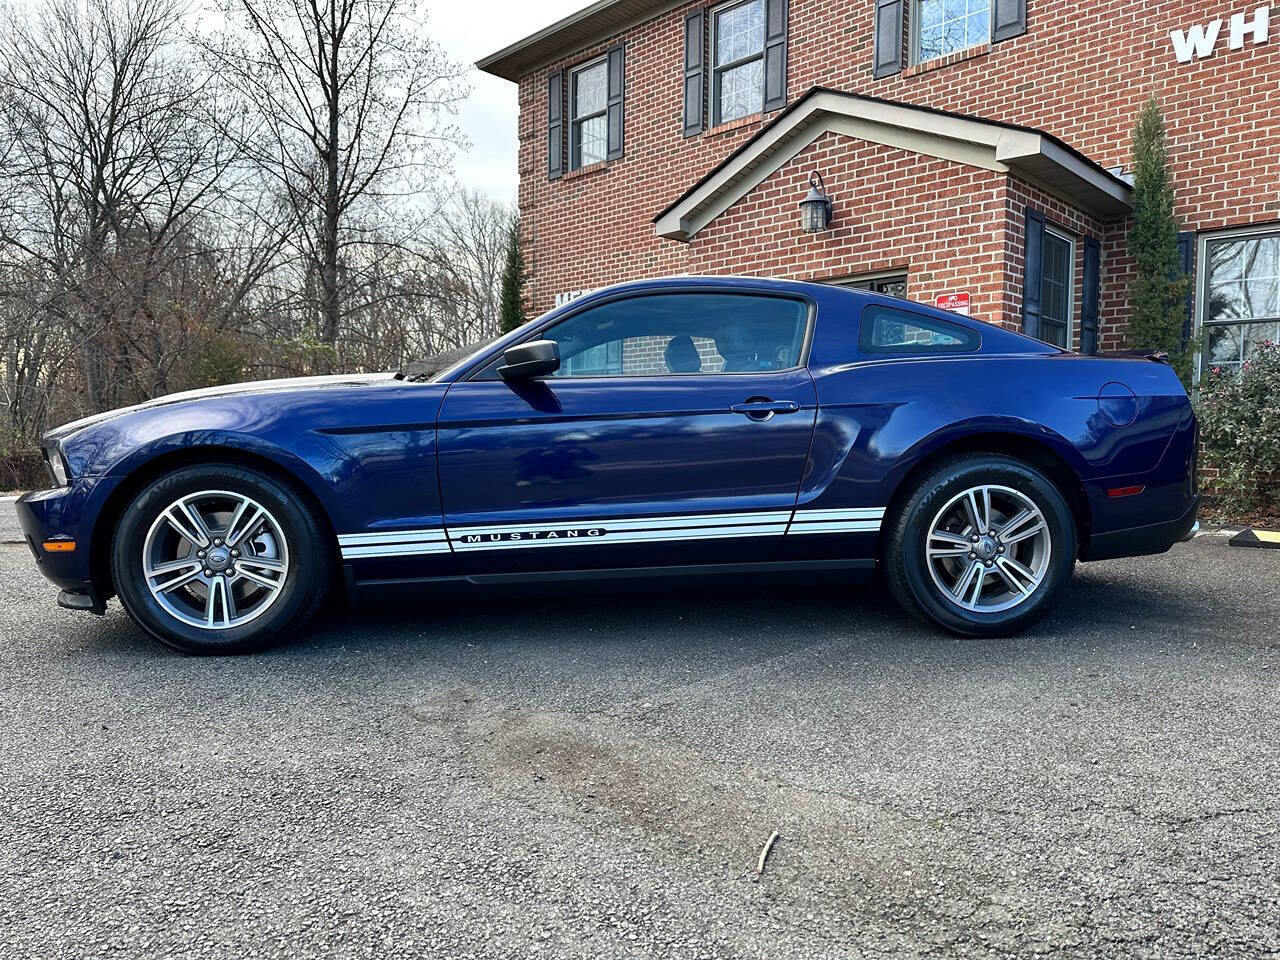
x=1080, y=72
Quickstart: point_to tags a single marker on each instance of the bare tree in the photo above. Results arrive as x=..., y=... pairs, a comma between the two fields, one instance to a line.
x=277, y=206
x=467, y=250
x=111, y=158
x=351, y=104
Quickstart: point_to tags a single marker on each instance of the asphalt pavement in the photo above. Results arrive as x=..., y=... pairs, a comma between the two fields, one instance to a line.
x=596, y=777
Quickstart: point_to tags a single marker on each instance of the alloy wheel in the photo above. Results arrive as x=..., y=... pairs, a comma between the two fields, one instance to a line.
x=988, y=549
x=215, y=559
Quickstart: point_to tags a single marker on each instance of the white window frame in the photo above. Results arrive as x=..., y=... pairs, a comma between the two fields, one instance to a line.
x=1071, y=282
x=914, y=17
x=575, y=121
x=718, y=68
x=1201, y=288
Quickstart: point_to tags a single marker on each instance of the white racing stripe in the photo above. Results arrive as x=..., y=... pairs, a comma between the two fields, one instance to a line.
x=573, y=532
x=841, y=526
x=462, y=542
x=401, y=536
x=394, y=550
x=396, y=543
x=844, y=520
x=632, y=523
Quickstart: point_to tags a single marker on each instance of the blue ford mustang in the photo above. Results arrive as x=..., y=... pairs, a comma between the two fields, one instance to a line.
x=674, y=427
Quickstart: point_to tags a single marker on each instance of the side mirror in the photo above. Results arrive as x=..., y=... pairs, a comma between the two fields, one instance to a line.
x=536, y=358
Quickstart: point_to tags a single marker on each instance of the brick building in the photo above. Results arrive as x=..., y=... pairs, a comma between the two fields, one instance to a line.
x=974, y=151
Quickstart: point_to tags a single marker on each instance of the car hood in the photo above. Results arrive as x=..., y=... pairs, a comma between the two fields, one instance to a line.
x=252, y=387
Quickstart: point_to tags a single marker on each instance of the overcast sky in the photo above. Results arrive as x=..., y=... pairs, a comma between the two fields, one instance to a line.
x=488, y=117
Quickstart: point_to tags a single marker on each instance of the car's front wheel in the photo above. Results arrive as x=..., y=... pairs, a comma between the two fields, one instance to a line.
x=219, y=558
x=982, y=546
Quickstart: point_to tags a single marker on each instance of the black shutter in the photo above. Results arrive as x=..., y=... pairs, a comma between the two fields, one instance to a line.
x=1187, y=260
x=616, y=85
x=888, y=38
x=694, y=73
x=555, y=125
x=1091, y=295
x=1033, y=272
x=1008, y=19
x=775, y=54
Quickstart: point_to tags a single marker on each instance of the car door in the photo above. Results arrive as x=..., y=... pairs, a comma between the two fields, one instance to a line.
x=675, y=431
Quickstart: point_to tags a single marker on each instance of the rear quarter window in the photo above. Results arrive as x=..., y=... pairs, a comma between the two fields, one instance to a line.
x=888, y=330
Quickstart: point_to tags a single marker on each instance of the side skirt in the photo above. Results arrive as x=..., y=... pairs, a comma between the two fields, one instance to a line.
x=779, y=570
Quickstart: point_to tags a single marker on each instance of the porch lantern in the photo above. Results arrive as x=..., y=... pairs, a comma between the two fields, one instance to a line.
x=815, y=208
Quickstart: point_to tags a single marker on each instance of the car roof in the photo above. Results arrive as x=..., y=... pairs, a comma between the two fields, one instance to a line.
x=1001, y=339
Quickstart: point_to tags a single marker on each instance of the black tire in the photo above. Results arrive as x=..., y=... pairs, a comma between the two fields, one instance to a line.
x=907, y=569
x=304, y=584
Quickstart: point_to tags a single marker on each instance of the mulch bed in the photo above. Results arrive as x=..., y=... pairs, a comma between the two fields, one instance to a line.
x=1213, y=513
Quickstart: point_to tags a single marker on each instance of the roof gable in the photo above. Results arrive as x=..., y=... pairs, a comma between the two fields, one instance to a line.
x=1033, y=154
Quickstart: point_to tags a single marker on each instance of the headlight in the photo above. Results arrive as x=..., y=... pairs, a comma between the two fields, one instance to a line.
x=57, y=465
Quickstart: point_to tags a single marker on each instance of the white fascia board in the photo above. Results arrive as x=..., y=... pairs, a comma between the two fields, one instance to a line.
x=1102, y=193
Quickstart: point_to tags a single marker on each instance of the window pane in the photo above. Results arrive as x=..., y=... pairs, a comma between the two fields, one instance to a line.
x=930, y=44
x=595, y=361
x=889, y=286
x=1055, y=290
x=682, y=333
x=1053, y=332
x=1244, y=279
x=946, y=26
x=593, y=140
x=1228, y=346
x=885, y=330
x=590, y=89
x=739, y=31
x=741, y=91
x=979, y=26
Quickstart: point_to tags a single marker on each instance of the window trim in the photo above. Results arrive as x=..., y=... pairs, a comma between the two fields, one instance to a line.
x=575, y=121
x=973, y=336
x=575, y=307
x=1201, y=283
x=1058, y=233
x=717, y=69
x=913, y=24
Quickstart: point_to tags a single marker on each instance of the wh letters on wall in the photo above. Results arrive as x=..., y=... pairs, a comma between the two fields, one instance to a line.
x=1201, y=40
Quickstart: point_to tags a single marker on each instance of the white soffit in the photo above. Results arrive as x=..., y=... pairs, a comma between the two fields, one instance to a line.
x=967, y=140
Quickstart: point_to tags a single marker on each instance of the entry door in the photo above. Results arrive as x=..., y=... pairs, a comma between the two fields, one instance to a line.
x=676, y=431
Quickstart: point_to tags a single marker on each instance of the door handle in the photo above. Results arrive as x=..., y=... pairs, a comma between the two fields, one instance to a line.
x=762, y=408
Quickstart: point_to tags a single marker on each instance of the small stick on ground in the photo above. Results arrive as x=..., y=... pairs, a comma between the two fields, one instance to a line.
x=764, y=854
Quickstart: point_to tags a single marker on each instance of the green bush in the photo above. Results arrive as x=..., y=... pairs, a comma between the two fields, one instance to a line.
x=511, y=305
x=1240, y=427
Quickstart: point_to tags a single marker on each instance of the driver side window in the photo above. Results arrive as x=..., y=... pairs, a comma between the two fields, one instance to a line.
x=684, y=333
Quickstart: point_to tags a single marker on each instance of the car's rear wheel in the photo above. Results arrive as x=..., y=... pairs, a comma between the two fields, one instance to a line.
x=981, y=546
x=219, y=558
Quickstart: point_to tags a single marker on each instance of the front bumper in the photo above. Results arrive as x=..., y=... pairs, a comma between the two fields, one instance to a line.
x=67, y=513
